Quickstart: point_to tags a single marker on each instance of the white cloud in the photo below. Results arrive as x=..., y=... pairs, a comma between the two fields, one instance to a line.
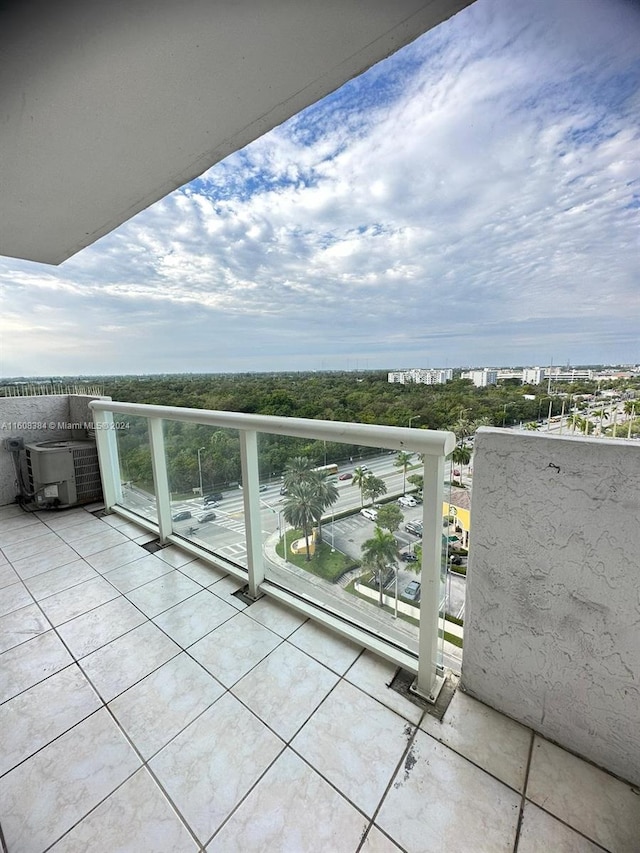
x=469, y=200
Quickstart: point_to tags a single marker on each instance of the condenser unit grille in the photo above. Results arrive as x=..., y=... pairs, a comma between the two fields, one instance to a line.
x=87, y=474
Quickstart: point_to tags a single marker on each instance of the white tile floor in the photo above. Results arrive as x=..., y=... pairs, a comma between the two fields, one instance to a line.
x=143, y=708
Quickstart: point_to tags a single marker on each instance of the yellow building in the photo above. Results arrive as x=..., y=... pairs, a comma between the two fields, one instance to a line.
x=459, y=507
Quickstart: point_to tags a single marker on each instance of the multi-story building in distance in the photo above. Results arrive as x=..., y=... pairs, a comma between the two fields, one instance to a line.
x=482, y=378
x=421, y=375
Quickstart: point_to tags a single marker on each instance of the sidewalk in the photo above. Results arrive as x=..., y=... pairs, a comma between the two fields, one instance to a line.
x=270, y=554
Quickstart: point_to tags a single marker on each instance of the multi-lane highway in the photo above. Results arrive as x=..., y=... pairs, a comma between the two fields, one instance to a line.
x=225, y=535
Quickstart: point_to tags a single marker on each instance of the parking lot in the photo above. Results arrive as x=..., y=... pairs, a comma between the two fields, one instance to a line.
x=349, y=534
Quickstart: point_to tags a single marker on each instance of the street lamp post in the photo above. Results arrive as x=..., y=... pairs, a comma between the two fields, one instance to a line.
x=395, y=615
x=333, y=548
x=284, y=533
x=504, y=410
x=200, y=468
x=542, y=399
x=413, y=418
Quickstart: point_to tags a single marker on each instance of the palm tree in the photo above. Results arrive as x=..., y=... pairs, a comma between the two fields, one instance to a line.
x=378, y=552
x=461, y=456
x=462, y=427
x=373, y=487
x=583, y=424
x=359, y=477
x=296, y=469
x=302, y=507
x=603, y=415
x=402, y=461
x=326, y=491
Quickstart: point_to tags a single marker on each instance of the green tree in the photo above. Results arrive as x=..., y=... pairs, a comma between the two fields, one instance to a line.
x=416, y=480
x=326, y=491
x=461, y=456
x=296, y=470
x=359, y=478
x=417, y=566
x=583, y=424
x=389, y=517
x=379, y=552
x=532, y=426
x=463, y=428
x=373, y=487
x=480, y=422
x=402, y=461
x=302, y=507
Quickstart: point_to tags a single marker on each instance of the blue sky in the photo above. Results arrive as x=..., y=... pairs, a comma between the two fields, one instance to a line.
x=472, y=200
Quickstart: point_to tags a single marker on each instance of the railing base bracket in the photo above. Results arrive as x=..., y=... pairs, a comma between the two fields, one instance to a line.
x=405, y=683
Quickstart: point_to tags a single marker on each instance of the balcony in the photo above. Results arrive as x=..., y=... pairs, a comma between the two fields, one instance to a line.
x=153, y=705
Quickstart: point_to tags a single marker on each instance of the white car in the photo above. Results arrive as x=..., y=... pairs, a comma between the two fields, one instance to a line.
x=407, y=500
x=371, y=514
x=207, y=515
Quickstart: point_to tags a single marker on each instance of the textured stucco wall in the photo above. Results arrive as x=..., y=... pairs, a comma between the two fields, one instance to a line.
x=23, y=417
x=552, y=618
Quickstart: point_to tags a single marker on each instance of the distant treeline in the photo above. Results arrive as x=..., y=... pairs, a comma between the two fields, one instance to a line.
x=362, y=397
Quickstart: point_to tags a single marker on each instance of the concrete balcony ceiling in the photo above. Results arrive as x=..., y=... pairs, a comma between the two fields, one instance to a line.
x=107, y=107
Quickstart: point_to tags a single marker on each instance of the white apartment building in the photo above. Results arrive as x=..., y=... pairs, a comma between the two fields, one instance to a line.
x=397, y=376
x=422, y=375
x=533, y=375
x=482, y=378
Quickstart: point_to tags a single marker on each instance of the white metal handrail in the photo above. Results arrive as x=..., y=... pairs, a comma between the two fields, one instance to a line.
x=432, y=445
x=429, y=442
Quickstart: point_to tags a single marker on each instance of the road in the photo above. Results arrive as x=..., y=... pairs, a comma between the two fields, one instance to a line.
x=225, y=535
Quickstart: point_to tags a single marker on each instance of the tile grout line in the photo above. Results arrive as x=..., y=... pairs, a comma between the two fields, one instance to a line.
x=287, y=744
x=523, y=798
x=401, y=761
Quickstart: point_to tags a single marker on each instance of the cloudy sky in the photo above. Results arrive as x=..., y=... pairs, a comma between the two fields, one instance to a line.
x=473, y=200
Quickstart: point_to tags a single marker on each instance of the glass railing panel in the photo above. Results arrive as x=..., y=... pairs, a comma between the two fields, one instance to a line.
x=204, y=474
x=362, y=559
x=455, y=544
x=136, y=469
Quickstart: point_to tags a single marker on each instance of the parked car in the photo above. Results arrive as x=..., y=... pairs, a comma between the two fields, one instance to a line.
x=412, y=592
x=408, y=557
x=181, y=516
x=407, y=500
x=263, y=487
x=346, y=476
x=205, y=516
x=456, y=560
x=414, y=527
x=214, y=498
x=371, y=514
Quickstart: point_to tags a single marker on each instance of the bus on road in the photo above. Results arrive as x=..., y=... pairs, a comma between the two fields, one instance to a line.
x=327, y=469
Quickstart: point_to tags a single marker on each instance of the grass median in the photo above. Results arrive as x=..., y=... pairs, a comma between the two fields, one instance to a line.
x=325, y=563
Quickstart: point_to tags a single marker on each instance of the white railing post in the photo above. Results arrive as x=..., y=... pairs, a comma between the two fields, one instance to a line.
x=160, y=478
x=108, y=459
x=430, y=680
x=251, y=497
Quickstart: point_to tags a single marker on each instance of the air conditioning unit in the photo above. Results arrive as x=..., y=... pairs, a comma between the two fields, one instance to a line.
x=63, y=473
